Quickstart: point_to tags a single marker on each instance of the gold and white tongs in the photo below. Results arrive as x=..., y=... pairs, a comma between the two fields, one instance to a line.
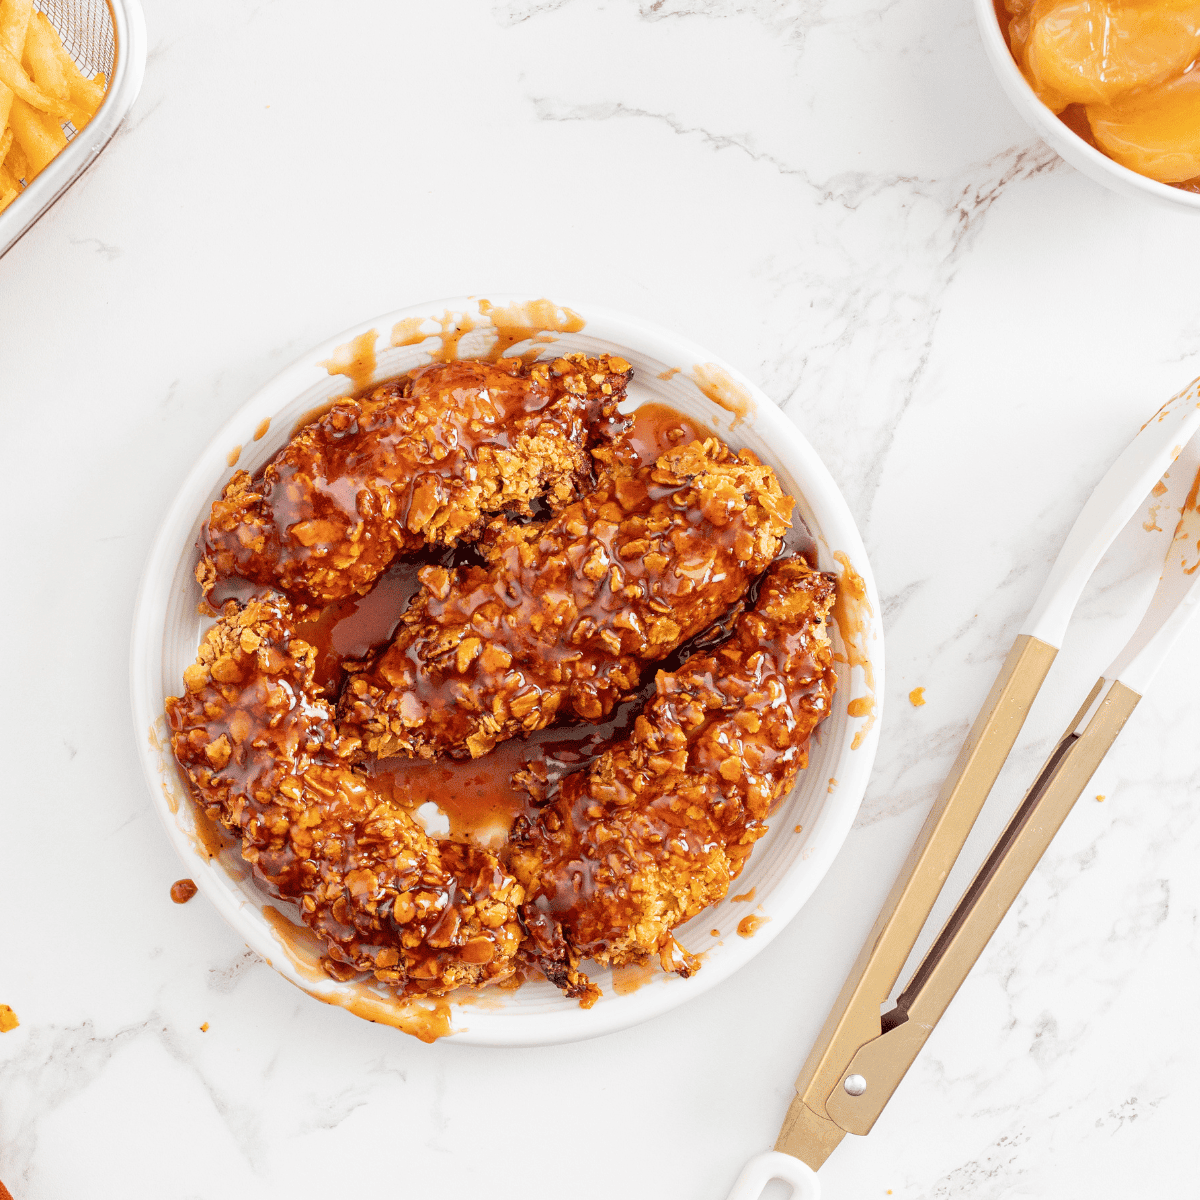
x=860, y=1056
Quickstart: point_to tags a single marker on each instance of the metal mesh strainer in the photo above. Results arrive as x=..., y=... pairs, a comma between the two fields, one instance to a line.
x=106, y=36
x=86, y=30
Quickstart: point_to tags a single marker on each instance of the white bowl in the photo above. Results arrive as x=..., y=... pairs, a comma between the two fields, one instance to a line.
x=1054, y=133
x=785, y=867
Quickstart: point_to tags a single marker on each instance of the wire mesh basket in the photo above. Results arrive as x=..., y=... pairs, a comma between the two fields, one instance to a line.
x=87, y=29
x=101, y=36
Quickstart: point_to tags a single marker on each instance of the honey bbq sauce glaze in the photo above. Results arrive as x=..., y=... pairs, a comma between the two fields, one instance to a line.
x=402, y=865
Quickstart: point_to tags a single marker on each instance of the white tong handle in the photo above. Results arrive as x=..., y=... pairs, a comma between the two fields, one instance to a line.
x=1175, y=601
x=1115, y=500
x=765, y=1168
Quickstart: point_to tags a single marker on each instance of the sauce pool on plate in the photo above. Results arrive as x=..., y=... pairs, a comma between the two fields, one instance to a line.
x=474, y=800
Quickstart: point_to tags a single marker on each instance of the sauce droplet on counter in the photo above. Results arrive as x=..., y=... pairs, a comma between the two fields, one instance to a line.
x=669, y=373
x=182, y=890
x=8, y=1019
x=261, y=431
x=916, y=697
x=745, y=897
x=232, y=457
x=204, y=1027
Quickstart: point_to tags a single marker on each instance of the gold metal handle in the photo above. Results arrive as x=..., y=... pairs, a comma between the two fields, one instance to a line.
x=883, y=1062
x=808, y=1131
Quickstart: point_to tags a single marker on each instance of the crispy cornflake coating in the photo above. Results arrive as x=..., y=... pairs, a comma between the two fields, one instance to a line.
x=261, y=753
x=423, y=459
x=654, y=831
x=566, y=614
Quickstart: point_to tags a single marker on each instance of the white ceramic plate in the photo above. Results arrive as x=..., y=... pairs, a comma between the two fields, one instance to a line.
x=785, y=867
x=1080, y=154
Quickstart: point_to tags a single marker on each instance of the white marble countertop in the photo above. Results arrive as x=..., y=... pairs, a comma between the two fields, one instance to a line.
x=836, y=197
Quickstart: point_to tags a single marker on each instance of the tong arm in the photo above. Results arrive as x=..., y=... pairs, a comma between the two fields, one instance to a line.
x=854, y=1019
x=882, y=1063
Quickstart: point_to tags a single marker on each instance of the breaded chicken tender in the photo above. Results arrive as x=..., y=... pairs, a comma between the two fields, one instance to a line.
x=655, y=829
x=561, y=622
x=261, y=754
x=425, y=459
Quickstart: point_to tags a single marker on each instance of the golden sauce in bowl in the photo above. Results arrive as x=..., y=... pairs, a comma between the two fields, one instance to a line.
x=1123, y=76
